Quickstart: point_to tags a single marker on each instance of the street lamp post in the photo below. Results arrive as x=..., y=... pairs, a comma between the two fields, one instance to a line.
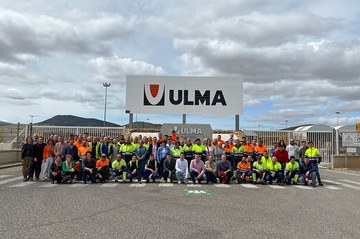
x=286, y=121
x=337, y=118
x=106, y=85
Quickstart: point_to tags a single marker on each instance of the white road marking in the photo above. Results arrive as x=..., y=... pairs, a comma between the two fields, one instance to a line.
x=349, y=181
x=78, y=185
x=166, y=185
x=48, y=185
x=109, y=185
x=333, y=188
x=137, y=185
x=222, y=185
x=249, y=186
x=10, y=180
x=5, y=176
x=342, y=184
x=20, y=185
x=277, y=187
x=194, y=185
x=304, y=187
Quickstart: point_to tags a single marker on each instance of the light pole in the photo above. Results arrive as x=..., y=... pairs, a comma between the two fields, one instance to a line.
x=337, y=118
x=286, y=121
x=106, y=85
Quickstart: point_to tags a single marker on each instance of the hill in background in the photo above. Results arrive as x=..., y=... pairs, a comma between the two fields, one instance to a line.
x=70, y=120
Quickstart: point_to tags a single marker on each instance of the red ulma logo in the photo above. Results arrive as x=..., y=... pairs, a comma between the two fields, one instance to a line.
x=154, y=94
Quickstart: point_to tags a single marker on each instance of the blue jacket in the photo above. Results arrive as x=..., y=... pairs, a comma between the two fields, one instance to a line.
x=305, y=168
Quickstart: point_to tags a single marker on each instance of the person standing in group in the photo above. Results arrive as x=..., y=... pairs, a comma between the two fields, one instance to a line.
x=237, y=153
x=48, y=156
x=27, y=157
x=293, y=150
x=199, y=149
x=141, y=153
x=315, y=158
x=282, y=156
x=188, y=151
x=60, y=148
x=39, y=147
x=302, y=151
x=163, y=150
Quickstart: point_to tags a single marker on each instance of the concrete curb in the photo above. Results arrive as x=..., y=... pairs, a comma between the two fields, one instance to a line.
x=10, y=165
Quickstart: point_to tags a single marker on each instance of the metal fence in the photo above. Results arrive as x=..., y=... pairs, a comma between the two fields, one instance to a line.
x=12, y=137
x=66, y=131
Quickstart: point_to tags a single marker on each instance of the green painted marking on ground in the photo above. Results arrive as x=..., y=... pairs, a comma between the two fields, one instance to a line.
x=197, y=192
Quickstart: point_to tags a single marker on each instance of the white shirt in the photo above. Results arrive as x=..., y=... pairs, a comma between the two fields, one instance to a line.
x=293, y=150
x=182, y=166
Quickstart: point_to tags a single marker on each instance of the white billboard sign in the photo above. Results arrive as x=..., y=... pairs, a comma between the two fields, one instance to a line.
x=184, y=95
x=351, y=140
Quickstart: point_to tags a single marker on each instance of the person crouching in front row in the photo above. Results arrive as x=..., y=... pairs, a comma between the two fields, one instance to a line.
x=68, y=169
x=56, y=169
x=102, y=168
x=197, y=169
x=151, y=169
x=224, y=170
x=119, y=168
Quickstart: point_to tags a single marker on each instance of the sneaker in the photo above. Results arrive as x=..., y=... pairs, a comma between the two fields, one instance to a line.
x=179, y=182
x=321, y=184
x=168, y=180
x=37, y=179
x=313, y=185
x=31, y=179
x=116, y=180
x=124, y=182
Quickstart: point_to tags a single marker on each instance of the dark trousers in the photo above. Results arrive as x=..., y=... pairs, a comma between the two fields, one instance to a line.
x=66, y=176
x=35, y=168
x=210, y=177
x=148, y=173
x=56, y=178
x=104, y=172
x=241, y=176
x=166, y=174
x=86, y=176
x=161, y=166
x=289, y=177
x=141, y=169
x=194, y=174
x=278, y=175
x=130, y=175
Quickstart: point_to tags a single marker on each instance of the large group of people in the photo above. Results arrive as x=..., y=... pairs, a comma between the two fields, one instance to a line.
x=168, y=158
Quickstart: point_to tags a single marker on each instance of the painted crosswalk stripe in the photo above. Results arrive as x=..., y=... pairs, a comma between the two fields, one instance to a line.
x=249, y=186
x=333, y=188
x=277, y=187
x=349, y=181
x=222, y=185
x=342, y=184
x=48, y=185
x=166, y=185
x=9, y=180
x=5, y=176
x=20, y=185
x=194, y=185
x=78, y=185
x=304, y=187
x=137, y=185
x=109, y=185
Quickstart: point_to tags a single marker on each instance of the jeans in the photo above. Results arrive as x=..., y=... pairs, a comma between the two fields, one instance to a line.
x=315, y=165
x=178, y=176
x=148, y=173
x=47, y=167
x=210, y=177
x=194, y=174
x=116, y=172
x=141, y=169
x=86, y=175
x=130, y=176
x=278, y=175
x=312, y=177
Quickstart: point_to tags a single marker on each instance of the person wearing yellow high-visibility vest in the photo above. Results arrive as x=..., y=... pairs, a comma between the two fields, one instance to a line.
x=274, y=171
x=315, y=158
x=176, y=151
x=292, y=171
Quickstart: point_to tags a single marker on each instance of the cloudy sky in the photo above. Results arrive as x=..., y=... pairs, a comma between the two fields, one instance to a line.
x=299, y=60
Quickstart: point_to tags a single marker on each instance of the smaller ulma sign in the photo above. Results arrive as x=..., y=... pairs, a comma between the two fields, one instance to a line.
x=184, y=95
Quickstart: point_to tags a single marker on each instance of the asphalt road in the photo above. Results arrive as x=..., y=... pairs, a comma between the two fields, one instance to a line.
x=35, y=210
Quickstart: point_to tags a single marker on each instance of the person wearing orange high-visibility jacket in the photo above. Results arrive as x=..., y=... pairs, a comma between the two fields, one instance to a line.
x=243, y=170
x=260, y=148
x=315, y=158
